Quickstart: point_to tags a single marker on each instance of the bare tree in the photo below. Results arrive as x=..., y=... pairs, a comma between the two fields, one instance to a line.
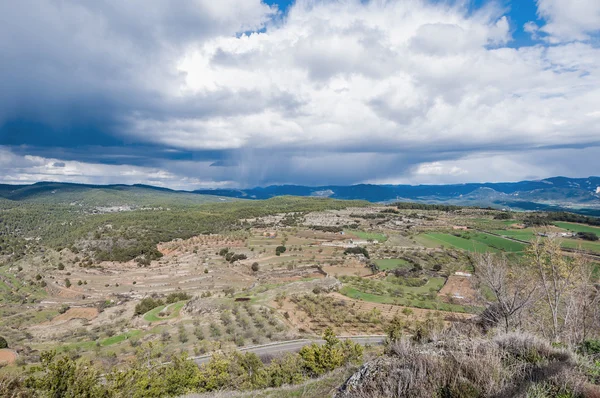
x=582, y=307
x=512, y=288
x=559, y=277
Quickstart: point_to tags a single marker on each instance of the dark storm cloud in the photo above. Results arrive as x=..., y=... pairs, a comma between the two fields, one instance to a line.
x=73, y=73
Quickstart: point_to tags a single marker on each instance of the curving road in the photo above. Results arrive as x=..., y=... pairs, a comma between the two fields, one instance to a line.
x=294, y=346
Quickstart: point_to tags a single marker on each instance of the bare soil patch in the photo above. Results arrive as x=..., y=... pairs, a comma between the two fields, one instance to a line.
x=77, y=313
x=7, y=356
x=459, y=289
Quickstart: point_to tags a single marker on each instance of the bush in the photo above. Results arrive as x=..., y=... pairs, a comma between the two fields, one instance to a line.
x=64, y=308
x=280, y=249
x=175, y=297
x=3, y=343
x=320, y=359
x=590, y=347
x=146, y=305
x=255, y=267
x=587, y=236
x=357, y=250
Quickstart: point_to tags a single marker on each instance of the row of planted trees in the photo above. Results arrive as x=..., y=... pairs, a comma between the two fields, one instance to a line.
x=547, y=291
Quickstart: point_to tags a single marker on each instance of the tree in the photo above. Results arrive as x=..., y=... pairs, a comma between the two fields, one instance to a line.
x=513, y=289
x=64, y=377
x=558, y=277
x=320, y=359
x=587, y=236
x=395, y=329
x=255, y=267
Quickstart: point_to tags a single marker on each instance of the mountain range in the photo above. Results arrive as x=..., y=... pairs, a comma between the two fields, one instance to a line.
x=581, y=195
x=576, y=194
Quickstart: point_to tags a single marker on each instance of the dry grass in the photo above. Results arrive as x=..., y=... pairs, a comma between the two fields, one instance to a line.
x=513, y=365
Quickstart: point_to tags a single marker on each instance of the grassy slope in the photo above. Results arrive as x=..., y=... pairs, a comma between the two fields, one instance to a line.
x=152, y=315
x=578, y=227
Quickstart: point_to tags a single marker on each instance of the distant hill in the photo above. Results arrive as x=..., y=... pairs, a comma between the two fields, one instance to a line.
x=103, y=197
x=557, y=193
x=581, y=195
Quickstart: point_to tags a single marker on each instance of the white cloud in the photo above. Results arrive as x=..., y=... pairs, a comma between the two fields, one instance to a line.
x=15, y=169
x=569, y=20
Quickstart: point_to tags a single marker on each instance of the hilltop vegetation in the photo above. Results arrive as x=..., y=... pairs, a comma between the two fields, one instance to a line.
x=124, y=236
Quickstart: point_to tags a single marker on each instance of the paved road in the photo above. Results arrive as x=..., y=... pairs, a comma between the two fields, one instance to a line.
x=293, y=346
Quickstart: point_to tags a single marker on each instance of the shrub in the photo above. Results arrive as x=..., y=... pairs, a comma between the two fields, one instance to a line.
x=587, y=236
x=590, y=347
x=255, y=267
x=280, y=249
x=175, y=297
x=146, y=305
x=357, y=250
x=3, y=343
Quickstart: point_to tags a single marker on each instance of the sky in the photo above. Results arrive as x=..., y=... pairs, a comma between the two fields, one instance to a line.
x=241, y=93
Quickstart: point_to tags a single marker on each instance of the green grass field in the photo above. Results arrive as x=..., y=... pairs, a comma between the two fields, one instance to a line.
x=427, y=241
x=392, y=263
x=578, y=227
x=461, y=243
x=120, y=338
x=368, y=235
x=526, y=234
x=497, y=242
x=581, y=244
x=152, y=315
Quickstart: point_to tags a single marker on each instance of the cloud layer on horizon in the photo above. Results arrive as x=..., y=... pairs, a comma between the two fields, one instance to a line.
x=234, y=93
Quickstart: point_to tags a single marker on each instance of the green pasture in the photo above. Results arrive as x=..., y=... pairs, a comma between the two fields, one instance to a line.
x=153, y=315
x=581, y=244
x=526, y=234
x=496, y=242
x=119, y=338
x=368, y=235
x=392, y=263
x=461, y=243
